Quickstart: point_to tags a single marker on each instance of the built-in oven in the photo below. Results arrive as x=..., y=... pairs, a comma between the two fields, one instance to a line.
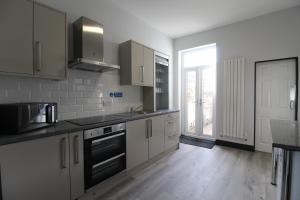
x=105, y=153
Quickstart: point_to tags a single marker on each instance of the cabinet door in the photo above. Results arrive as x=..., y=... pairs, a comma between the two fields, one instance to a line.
x=36, y=170
x=137, y=64
x=137, y=143
x=172, y=130
x=148, y=67
x=157, y=136
x=76, y=165
x=16, y=49
x=49, y=42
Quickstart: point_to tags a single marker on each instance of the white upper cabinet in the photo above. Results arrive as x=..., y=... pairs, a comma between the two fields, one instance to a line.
x=33, y=40
x=49, y=42
x=16, y=43
x=137, y=64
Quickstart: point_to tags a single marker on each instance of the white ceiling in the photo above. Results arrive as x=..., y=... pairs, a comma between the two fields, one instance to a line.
x=177, y=18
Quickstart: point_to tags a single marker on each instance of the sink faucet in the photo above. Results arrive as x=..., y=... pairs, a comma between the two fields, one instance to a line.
x=132, y=109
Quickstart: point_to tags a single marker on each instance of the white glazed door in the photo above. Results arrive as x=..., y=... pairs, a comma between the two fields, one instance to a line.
x=275, y=98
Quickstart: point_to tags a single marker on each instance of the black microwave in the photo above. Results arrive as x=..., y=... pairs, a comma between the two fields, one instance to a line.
x=18, y=118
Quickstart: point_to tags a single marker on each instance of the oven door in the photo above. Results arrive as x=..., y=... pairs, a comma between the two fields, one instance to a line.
x=105, y=156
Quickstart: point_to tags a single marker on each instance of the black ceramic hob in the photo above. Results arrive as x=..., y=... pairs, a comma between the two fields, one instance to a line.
x=95, y=120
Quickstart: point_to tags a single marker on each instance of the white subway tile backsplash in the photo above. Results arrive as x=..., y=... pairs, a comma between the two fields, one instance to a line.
x=69, y=115
x=22, y=94
x=59, y=93
x=3, y=94
x=84, y=94
x=67, y=100
x=40, y=93
x=92, y=107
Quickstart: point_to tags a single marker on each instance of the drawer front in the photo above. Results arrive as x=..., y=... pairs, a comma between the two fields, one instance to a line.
x=172, y=116
x=172, y=131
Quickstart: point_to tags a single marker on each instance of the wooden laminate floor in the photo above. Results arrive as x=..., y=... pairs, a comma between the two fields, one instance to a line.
x=195, y=173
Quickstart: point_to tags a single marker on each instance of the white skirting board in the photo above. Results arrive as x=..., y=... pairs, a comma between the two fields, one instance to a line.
x=233, y=98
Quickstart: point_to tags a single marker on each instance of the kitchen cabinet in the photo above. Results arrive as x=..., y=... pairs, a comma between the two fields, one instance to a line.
x=137, y=64
x=48, y=168
x=157, y=136
x=147, y=138
x=49, y=42
x=33, y=40
x=172, y=130
x=16, y=49
x=148, y=72
x=137, y=142
x=76, y=164
x=37, y=169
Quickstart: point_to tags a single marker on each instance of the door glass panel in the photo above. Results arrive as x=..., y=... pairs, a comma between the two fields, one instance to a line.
x=191, y=97
x=207, y=100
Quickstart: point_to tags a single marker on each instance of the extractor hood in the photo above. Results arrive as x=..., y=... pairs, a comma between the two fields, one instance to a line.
x=88, y=47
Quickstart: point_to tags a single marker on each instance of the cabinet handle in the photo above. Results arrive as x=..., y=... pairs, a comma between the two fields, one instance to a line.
x=142, y=69
x=76, y=149
x=147, y=129
x=39, y=56
x=63, y=149
x=1, y=196
x=151, y=128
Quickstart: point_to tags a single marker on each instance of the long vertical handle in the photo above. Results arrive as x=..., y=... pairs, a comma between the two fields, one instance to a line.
x=142, y=68
x=151, y=133
x=1, y=197
x=39, y=56
x=274, y=166
x=147, y=128
x=292, y=104
x=76, y=149
x=63, y=149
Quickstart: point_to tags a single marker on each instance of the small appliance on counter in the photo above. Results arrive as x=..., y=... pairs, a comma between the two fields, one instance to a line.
x=19, y=118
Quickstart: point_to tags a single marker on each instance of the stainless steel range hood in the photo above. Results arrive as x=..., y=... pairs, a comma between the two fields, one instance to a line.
x=88, y=47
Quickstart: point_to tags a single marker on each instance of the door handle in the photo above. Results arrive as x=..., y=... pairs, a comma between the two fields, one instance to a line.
x=292, y=104
x=63, y=149
x=39, y=56
x=76, y=149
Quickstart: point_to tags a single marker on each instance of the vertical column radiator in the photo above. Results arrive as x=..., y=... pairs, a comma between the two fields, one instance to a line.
x=233, y=98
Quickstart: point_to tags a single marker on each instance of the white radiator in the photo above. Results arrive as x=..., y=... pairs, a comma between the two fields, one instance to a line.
x=233, y=98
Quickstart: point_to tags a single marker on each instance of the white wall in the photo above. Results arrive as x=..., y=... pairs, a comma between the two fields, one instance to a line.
x=84, y=92
x=272, y=36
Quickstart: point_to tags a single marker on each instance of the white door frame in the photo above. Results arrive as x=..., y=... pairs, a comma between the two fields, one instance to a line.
x=199, y=110
x=255, y=83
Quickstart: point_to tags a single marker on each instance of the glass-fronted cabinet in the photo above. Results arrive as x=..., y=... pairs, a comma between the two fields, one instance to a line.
x=157, y=98
x=161, y=81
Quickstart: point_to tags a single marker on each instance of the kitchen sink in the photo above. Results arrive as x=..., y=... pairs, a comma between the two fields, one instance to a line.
x=131, y=114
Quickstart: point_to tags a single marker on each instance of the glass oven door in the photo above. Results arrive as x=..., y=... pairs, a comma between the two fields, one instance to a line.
x=104, y=157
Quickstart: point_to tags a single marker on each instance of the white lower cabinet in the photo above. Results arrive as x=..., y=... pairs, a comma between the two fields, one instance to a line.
x=147, y=138
x=157, y=136
x=76, y=165
x=37, y=169
x=40, y=169
x=136, y=143
x=172, y=130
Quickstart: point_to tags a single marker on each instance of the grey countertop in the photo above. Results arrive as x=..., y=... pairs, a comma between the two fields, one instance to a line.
x=66, y=127
x=285, y=134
